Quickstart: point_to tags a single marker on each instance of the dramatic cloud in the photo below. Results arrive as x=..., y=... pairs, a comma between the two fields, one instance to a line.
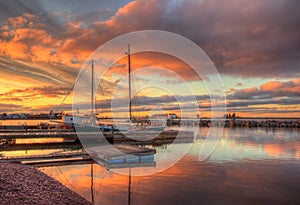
x=244, y=38
x=270, y=89
x=4, y=108
x=45, y=43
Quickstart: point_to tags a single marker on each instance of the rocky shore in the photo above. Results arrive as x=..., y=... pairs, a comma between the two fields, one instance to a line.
x=22, y=184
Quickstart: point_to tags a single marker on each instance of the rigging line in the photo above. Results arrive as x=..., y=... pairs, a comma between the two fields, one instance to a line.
x=71, y=89
x=102, y=93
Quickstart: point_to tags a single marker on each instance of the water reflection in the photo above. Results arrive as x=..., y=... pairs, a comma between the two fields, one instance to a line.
x=249, y=166
x=256, y=144
x=40, y=140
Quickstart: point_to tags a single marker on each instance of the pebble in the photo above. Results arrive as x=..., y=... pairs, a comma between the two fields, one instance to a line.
x=23, y=184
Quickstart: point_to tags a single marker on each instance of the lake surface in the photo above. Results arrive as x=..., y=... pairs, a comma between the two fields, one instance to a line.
x=249, y=166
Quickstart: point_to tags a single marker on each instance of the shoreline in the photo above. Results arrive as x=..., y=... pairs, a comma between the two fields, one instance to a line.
x=24, y=184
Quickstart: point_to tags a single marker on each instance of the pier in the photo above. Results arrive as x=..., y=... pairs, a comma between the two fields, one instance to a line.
x=236, y=122
x=111, y=156
x=45, y=157
x=163, y=137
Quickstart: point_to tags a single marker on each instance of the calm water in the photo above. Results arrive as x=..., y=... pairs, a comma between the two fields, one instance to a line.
x=249, y=166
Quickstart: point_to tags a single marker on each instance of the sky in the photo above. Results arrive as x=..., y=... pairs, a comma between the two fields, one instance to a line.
x=254, y=45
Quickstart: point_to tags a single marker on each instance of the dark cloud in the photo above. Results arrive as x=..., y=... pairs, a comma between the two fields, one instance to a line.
x=11, y=107
x=93, y=16
x=244, y=38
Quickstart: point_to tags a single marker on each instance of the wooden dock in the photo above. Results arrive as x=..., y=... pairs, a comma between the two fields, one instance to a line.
x=39, y=134
x=125, y=156
x=165, y=137
x=139, y=138
x=120, y=156
x=45, y=157
x=63, y=162
x=39, y=146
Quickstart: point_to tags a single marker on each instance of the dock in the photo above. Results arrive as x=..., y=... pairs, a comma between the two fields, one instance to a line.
x=124, y=156
x=39, y=146
x=45, y=157
x=165, y=137
x=137, y=138
x=39, y=134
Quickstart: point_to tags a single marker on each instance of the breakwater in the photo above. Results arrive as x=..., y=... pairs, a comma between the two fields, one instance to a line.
x=236, y=122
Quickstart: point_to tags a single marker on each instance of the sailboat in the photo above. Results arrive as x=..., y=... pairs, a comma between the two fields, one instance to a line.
x=88, y=122
x=138, y=127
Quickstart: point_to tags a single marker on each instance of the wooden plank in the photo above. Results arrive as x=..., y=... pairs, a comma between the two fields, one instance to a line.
x=45, y=156
x=38, y=146
x=28, y=135
x=102, y=152
x=62, y=162
x=164, y=137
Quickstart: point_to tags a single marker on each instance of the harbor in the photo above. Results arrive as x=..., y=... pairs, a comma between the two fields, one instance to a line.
x=266, y=152
x=83, y=160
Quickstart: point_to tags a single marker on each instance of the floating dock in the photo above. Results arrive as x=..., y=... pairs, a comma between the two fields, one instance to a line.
x=123, y=156
x=110, y=156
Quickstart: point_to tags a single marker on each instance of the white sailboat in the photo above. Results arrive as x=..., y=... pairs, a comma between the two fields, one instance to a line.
x=136, y=127
x=87, y=122
x=90, y=121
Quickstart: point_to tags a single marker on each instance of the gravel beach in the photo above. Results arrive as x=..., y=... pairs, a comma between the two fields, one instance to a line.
x=22, y=184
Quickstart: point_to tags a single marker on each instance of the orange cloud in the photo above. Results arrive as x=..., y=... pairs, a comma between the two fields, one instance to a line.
x=53, y=55
x=26, y=37
x=250, y=90
x=146, y=59
x=290, y=86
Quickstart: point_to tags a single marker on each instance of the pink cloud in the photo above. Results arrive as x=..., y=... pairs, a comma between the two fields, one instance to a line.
x=289, y=86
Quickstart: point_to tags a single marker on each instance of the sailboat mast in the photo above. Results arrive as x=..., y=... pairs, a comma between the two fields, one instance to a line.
x=129, y=82
x=92, y=89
